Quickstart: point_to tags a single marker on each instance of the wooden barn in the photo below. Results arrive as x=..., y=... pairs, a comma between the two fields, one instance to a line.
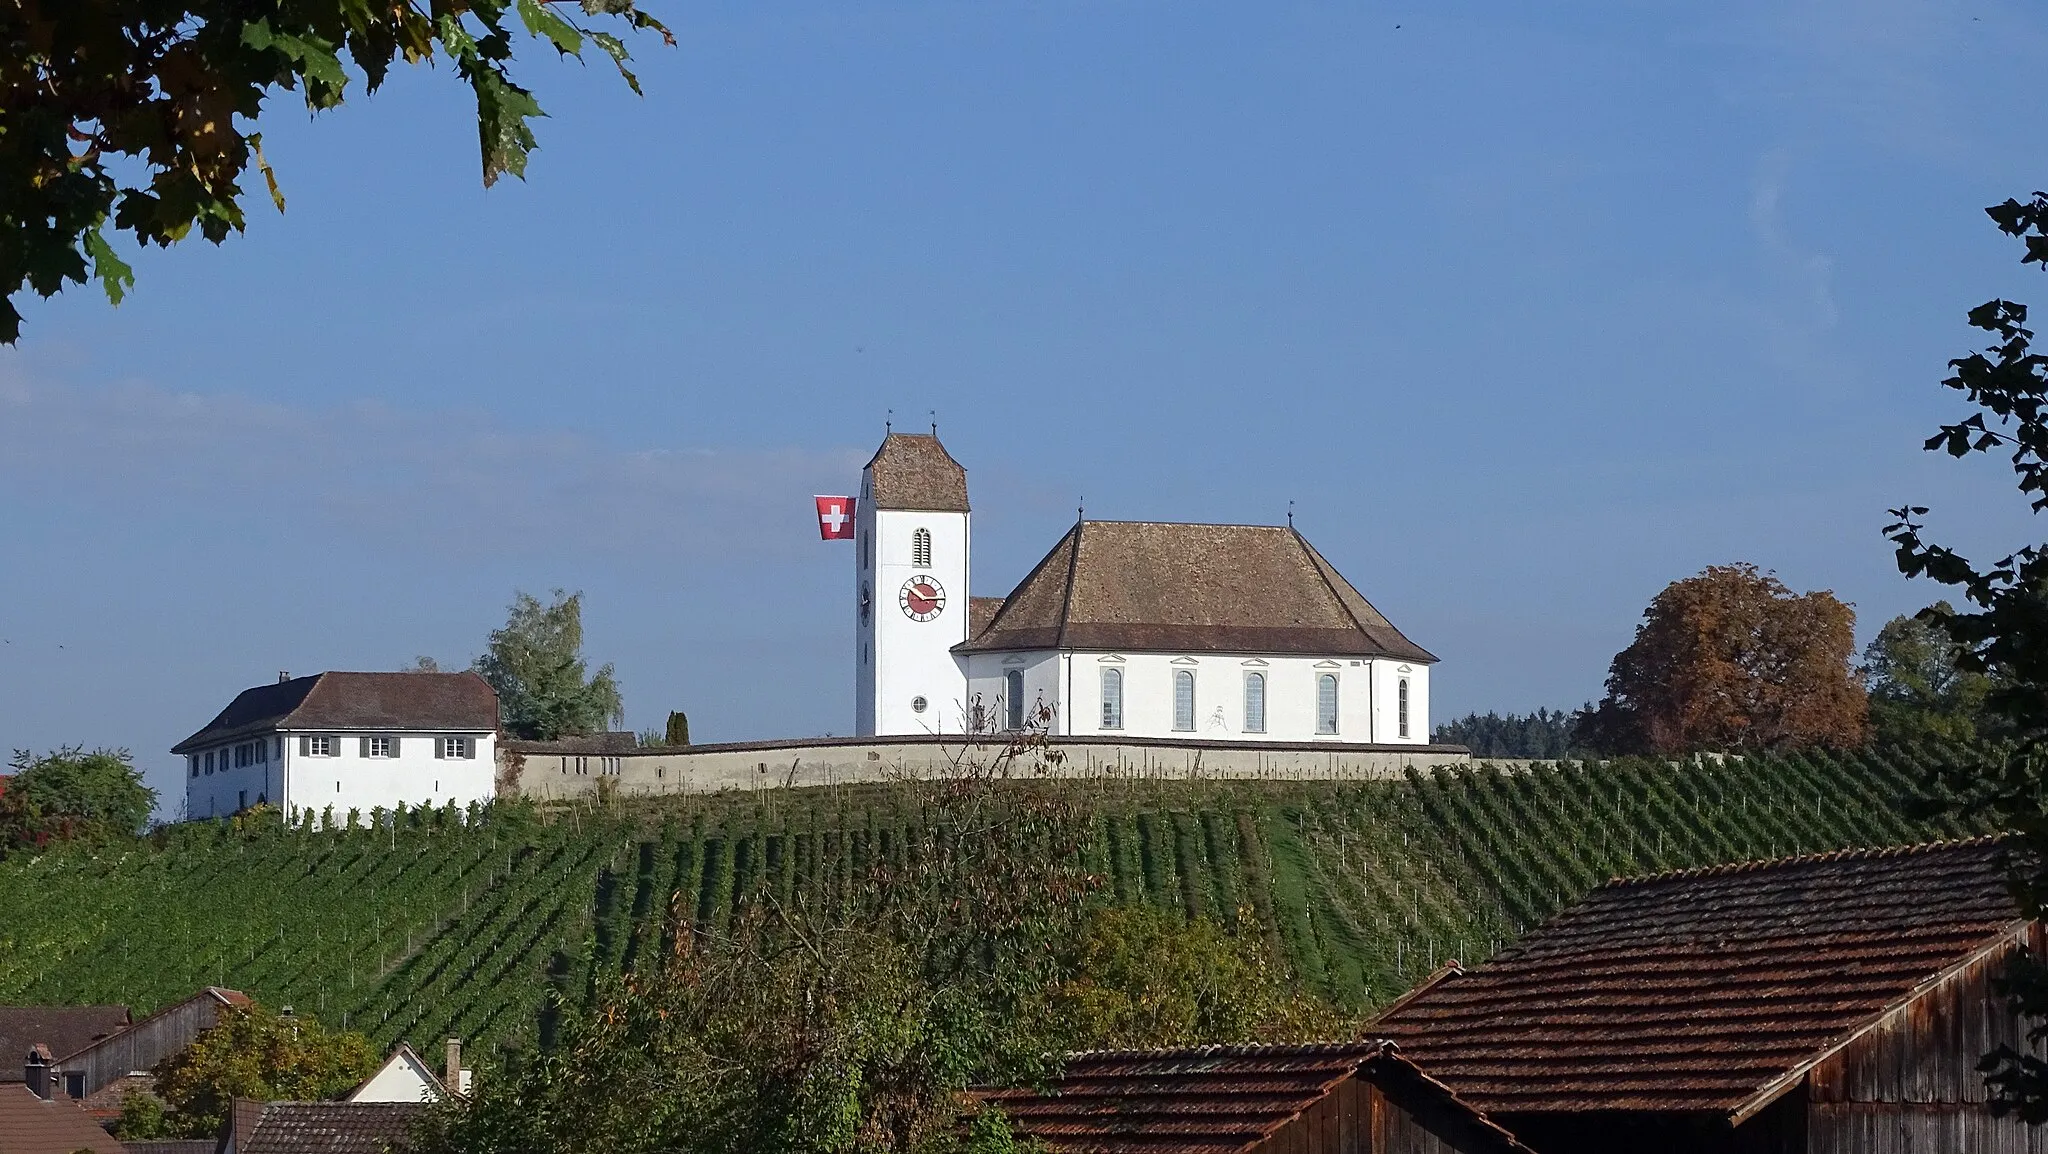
x=1814, y=1005
x=102, y=1071
x=1344, y=1098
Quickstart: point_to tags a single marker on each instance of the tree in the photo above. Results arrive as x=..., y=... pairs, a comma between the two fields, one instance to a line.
x=2005, y=630
x=678, y=728
x=1546, y=734
x=1919, y=691
x=536, y=664
x=1732, y=659
x=136, y=113
x=255, y=1052
x=69, y=794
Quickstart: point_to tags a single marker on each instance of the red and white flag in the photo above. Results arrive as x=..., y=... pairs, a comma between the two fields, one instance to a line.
x=835, y=518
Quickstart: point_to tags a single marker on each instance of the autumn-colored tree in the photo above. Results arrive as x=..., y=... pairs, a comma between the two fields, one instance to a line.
x=1732, y=659
x=255, y=1052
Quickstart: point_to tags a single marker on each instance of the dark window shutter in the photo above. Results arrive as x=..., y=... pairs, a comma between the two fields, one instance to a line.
x=394, y=745
x=440, y=748
x=305, y=745
x=366, y=746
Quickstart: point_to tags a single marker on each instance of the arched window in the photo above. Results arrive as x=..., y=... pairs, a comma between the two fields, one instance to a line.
x=921, y=548
x=1326, y=703
x=1255, y=703
x=1184, y=699
x=1401, y=708
x=1013, y=694
x=1112, y=699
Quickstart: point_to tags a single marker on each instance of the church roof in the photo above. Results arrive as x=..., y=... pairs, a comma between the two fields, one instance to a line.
x=914, y=471
x=1146, y=585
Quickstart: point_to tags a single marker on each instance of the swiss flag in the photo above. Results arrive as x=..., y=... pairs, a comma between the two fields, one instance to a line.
x=835, y=518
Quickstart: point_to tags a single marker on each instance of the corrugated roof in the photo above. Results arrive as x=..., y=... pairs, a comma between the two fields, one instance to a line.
x=355, y=701
x=1706, y=991
x=64, y=1029
x=1168, y=587
x=331, y=1127
x=1207, y=1099
x=914, y=471
x=57, y=1125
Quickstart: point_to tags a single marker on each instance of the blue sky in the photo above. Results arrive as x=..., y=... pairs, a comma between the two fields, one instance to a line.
x=1529, y=310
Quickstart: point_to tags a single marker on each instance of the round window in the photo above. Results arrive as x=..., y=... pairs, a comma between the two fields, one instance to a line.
x=917, y=705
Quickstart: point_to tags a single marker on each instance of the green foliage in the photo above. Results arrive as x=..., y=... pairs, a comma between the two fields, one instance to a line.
x=1919, y=691
x=1545, y=735
x=71, y=795
x=1140, y=977
x=536, y=664
x=255, y=1052
x=678, y=728
x=2004, y=632
x=164, y=92
x=143, y=1118
x=407, y=931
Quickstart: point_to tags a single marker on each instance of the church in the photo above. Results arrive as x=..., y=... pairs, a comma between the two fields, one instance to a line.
x=1209, y=633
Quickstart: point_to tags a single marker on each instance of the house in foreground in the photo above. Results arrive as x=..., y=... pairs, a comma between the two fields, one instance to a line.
x=31, y=1123
x=1341, y=1098
x=346, y=741
x=1816, y=1005
x=320, y=1127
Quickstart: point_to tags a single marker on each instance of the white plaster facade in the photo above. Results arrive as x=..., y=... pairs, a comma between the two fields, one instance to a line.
x=1065, y=691
x=365, y=771
x=906, y=678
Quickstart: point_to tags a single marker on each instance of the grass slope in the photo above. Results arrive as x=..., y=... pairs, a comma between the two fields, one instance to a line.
x=434, y=928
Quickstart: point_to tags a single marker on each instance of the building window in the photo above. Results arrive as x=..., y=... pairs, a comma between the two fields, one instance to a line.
x=1112, y=699
x=380, y=747
x=209, y=763
x=241, y=756
x=455, y=747
x=262, y=752
x=1255, y=703
x=1013, y=697
x=322, y=746
x=921, y=548
x=1326, y=703
x=241, y=799
x=918, y=704
x=1184, y=699
x=866, y=547
x=1401, y=708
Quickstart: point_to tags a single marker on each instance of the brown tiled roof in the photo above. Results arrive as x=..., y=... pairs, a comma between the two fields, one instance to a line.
x=57, y=1125
x=459, y=701
x=1153, y=586
x=331, y=1127
x=980, y=612
x=1210, y=1099
x=914, y=471
x=172, y=1146
x=64, y=1029
x=1707, y=991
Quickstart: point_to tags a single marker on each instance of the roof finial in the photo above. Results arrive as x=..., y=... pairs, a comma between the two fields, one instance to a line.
x=889, y=423
x=934, y=415
x=1081, y=510
x=1290, y=514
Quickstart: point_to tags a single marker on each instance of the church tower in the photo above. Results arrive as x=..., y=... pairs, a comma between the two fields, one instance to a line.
x=910, y=589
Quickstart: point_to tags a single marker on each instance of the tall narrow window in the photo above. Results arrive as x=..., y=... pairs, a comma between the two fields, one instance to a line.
x=1112, y=699
x=866, y=544
x=921, y=548
x=1255, y=703
x=1401, y=708
x=1013, y=696
x=1326, y=703
x=1184, y=699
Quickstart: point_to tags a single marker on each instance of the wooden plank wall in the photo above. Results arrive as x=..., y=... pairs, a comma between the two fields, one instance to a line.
x=144, y=1044
x=1912, y=1083
x=1339, y=1124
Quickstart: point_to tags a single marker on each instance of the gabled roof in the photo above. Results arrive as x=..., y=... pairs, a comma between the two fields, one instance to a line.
x=64, y=1029
x=914, y=471
x=1709, y=991
x=56, y=1125
x=324, y=1127
x=1158, y=586
x=354, y=701
x=1213, y=1099
x=403, y=1068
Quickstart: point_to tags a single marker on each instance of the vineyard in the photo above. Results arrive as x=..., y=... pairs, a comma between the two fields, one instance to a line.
x=431, y=926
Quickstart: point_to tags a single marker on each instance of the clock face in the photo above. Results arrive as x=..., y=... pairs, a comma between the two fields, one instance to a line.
x=922, y=598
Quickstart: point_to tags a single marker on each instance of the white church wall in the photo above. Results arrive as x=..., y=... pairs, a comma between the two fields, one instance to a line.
x=415, y=776
x=1073, y=683
x=901, y=659
x=1044, y=674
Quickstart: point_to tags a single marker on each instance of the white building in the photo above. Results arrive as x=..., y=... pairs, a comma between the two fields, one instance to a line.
x=348, y=741
x=1133, y=629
